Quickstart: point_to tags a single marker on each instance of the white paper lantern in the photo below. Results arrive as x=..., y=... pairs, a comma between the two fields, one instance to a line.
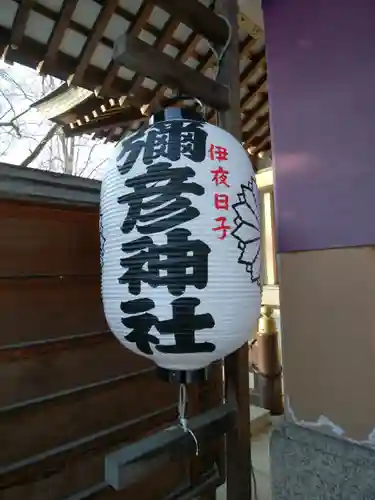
x=180, y=242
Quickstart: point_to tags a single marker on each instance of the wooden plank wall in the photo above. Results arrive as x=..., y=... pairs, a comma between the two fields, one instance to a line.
x=69, y=391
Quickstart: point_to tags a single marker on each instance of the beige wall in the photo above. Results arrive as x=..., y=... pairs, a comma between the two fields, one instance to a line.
x=328, y=318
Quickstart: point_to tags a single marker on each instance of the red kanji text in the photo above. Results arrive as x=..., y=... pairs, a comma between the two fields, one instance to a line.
x=218, y=153
x=223, y=227
x=220, y=176
x=221, y=201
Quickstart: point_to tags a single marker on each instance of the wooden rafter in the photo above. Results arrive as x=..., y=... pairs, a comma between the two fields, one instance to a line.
x=136, y=27
x=110, y=82
x=138, y=18
x=120, y=11
x=147, y=26
x=84, y=108
x=92, y=41
x=147, y=60
x=198, y=17
x=263, y=134
x=32, y=51
x=55, y=39
x=109, y=121
x=253, y=91
x=264, y=145
x=253, y=131
x=139, y=21
x=258, y=109
x=165, y=38
x=183, y=56
x=207, y=62
x=246, y=47
x=257, y=131
x=18, y=28
x=258, y=61
x=185, y=53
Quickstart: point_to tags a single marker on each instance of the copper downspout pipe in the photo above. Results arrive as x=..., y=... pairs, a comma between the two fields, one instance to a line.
x=265, y=362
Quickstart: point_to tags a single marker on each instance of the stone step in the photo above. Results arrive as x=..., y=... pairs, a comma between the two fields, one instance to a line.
x=261, y=424
x=260, y=420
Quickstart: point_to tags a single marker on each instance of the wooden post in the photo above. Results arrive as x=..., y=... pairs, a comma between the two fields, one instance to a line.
x=238, y=447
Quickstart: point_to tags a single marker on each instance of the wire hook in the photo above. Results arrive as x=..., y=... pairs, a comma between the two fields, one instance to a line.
x=182, y=404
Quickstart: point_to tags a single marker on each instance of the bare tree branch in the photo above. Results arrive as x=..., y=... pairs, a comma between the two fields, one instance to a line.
x=43, y=143
x=95, y=169
x=88, y=161
x=25, y=132
x=6, y=76
x=12, y=124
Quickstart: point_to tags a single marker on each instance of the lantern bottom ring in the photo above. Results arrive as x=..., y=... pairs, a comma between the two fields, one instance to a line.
x=183, y=376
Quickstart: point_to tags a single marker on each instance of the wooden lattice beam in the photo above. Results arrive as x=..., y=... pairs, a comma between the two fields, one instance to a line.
x=92, y=41
x=116, y=119
x=148, y=61
x=246, y=75
x=138, y=23
x=18, y=28
x=207, y=62
x=263, y=146
x=253, y=131
x=130, y=17
x=260, y=108
x=253, y=91
x=160, y=44
x=263, y=134
x=258, y=61
x=183, y=56
x=108, y=82
x=257, y=131
x=32, y=51
x=246, y=47
x=84, y=108
x=57, y=35
x=198, y=17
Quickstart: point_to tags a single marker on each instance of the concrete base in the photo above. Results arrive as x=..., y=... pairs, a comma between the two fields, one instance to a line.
x=306, y=465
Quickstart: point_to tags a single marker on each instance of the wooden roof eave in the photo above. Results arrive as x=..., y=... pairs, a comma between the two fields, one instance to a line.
x=100, y=85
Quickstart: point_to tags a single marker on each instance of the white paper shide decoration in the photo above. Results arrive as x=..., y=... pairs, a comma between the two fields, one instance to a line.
x=180, y=243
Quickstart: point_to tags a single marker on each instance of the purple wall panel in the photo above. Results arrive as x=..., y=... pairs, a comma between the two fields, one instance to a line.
x=321, y=64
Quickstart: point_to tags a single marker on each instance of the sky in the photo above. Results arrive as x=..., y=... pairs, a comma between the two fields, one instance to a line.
x=19, y=87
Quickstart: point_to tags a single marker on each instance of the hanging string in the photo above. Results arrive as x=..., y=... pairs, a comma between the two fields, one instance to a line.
x=219, y=56
x=183, y=97
x=200, y=103
x=182, y=404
